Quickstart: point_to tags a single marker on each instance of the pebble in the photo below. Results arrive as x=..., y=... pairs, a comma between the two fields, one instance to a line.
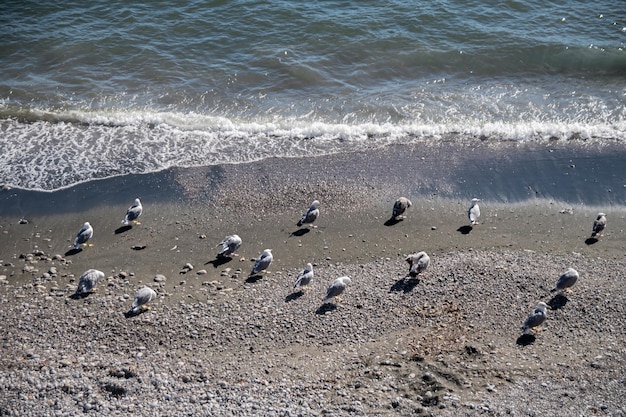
x=159, y=278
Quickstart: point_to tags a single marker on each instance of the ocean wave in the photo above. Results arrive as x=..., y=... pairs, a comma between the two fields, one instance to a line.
x=50, y=151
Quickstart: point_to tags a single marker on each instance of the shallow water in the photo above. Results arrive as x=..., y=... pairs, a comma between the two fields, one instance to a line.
x=92, y=91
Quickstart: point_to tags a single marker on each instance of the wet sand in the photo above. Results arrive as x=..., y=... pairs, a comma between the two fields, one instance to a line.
x=538, y=204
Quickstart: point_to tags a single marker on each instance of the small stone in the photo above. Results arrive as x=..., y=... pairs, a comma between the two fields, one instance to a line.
x=201, y=272
x=159, y=278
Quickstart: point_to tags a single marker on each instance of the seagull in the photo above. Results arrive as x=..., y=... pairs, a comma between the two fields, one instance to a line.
x=336, y=288
x=133, y=213
x=536, y=318
x=598, y=225
x=418, y=263
x=142, y=297
x=474, y=212
x=83, y=235
x=304, y=278
x=229, y=245
x=399, y=207
x=567, y=280
x=263, y=262
x=88, y=281
x=311, y=214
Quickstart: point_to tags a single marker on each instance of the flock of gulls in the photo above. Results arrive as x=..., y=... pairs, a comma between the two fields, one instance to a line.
x=418, y=262
x=565, y=282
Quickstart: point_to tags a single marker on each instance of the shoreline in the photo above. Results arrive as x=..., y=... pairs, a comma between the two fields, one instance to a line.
x=222, y=343
x=579, y=173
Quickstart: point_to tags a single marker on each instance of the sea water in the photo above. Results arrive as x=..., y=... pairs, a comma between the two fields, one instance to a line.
x=102, y=88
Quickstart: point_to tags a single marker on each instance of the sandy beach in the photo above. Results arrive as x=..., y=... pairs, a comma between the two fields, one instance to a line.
x=219, y=342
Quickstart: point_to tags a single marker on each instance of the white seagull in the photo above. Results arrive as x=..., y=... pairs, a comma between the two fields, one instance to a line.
x=88, y=281
x=474, y=212
x=399, y=207
x=538, y=316
x=133, y=212
x=142, y=297
x=311, y=214
x=229, y=245
x=336, y=288
x=83, y=235
x=598, y=225
x=263, y=262
x=567, y=280
x=418, y=263
x=304, y=278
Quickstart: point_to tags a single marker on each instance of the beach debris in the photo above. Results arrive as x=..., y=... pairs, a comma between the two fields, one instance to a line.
x=538, y=316
x=399, y=207
x=304, y=278
x=138, y=247
x=598, y=225
x=263, y=262
x=142, y=297
x=88, y=281
x=418, y=263
x=83, y=235
x=335, y=289
x=310, y=215
x=133, y=213
x=23, y=221
x=474, y=212
x=569, y=210
x=566, y=280
x=229, y=245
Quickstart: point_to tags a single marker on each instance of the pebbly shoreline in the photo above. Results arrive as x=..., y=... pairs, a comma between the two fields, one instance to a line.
x=216, y=342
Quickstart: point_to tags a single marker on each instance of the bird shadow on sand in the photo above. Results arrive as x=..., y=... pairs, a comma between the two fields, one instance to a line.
x=77, y=296
x=73, y=251
x=130, y=314
x=464, y=230
x=526, y=339
x=300, y=232
x=557, y=302
x=405, y=285
x=326, y=308
x=219, y=261
x=254, y=278
x=392, y=222
x=123, y=229
x=591, y=240
x=294, y=296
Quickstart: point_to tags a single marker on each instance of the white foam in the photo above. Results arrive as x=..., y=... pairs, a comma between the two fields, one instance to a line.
x=63, y=149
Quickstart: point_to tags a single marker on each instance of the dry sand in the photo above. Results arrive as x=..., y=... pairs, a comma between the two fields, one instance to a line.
x=217, y=342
